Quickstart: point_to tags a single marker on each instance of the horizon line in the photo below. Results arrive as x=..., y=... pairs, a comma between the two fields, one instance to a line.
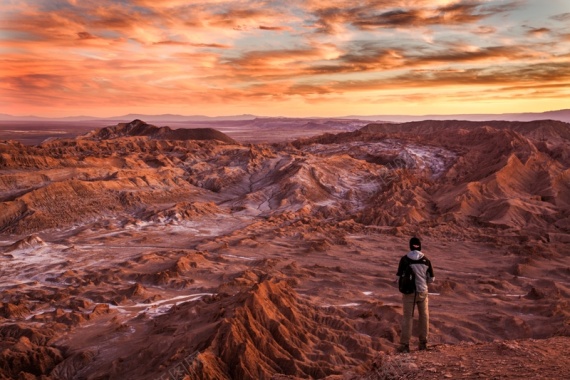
x=5, y=115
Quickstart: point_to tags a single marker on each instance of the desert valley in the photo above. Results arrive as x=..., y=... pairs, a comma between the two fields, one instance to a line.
x=136, y=251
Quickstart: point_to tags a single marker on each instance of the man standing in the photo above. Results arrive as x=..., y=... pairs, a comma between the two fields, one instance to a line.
x=422, y=271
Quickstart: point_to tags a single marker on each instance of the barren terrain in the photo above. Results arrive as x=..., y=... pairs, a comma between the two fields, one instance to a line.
x=139, y=252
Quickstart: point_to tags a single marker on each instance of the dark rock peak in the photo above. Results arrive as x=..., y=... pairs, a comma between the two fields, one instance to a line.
x=140, y=128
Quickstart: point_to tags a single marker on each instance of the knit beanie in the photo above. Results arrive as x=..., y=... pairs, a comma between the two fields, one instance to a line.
x=415, y=244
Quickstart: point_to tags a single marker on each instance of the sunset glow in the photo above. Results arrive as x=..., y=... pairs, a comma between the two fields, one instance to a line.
x=287, y=58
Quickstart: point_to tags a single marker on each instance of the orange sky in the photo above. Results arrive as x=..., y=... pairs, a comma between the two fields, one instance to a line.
x=283, y=58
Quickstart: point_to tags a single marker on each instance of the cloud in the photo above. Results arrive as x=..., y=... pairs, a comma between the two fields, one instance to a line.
x=214, y=52
x=499, y=76
x=200, y=45
x=406, y=14
x=274, y=28
x=538, y=32
x=563, y=17
x=284, y=63
x=461, y=13
x=507, y=79
x=364, y=60
x=485, y=29
x=85, y=36
x=369, y=58
x=468, y=54
x=238, y=18
x=62, y=23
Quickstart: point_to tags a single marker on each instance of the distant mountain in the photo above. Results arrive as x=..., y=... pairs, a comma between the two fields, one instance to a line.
x=561, y=115
x=6, y=117
x=171, y=117
x=129, y=117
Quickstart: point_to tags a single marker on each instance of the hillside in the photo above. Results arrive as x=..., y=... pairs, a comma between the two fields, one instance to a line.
x=139, y=252
x=140, y=128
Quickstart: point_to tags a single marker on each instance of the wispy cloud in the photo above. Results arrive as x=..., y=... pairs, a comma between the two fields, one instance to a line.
x=403, y=14
x=562, y=17
x=70, y=57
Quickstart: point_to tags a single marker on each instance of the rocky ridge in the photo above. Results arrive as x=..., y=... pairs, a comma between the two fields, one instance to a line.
x=124, y=246
x=140, y=128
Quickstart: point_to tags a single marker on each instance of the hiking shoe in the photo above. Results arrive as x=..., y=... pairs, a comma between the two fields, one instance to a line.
x=422, y=346
x=404, y=348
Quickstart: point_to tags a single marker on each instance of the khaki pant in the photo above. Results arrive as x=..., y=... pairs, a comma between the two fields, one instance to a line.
x=407, y=320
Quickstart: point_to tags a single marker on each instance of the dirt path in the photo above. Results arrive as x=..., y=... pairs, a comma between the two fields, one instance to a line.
x=521, y=359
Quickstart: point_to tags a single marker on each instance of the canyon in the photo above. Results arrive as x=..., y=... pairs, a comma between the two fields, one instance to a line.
x=142, y=252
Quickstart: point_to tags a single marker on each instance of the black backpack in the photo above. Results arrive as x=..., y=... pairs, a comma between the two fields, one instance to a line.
x=407, y=281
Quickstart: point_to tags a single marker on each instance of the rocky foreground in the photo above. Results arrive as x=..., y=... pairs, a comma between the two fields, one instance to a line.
x=138, y=252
